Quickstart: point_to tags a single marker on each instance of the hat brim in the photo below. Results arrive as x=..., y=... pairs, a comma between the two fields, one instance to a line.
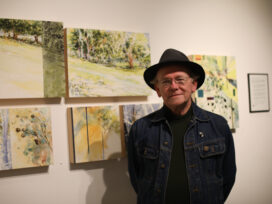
x=195, y=68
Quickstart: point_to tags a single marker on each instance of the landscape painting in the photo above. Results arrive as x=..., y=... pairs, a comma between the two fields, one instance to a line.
x=132, y=112
x=25, y=138
x=31, y=59
x=218, y=94
x=95, y=133
x=107, y=63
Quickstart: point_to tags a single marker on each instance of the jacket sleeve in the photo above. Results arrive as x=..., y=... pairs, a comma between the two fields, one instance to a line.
x=132, y=158
x=229, y=165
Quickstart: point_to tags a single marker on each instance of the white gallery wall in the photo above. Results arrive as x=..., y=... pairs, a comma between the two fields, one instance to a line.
x=240, y=28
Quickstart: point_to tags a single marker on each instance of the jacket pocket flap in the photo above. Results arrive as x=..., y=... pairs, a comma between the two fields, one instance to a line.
x=209, y=149
x=148, y=152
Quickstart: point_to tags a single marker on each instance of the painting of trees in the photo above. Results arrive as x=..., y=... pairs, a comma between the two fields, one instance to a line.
x=110, y=47
x=95, y=133
x=22, y=30
x=31, y=59
x=107, y=63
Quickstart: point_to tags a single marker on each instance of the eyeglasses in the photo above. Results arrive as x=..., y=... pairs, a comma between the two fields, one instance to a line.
x=166, y=83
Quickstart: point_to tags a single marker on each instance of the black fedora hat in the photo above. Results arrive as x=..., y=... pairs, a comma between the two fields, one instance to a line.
x=174, y=57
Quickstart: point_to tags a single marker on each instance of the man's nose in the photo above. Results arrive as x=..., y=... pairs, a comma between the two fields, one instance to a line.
x=173, y=85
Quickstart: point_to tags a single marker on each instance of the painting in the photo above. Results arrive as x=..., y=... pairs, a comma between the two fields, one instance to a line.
x=107, y=63
x=25, y=138
x=218, y=94
x=31, y=59
x=95, y=133
x=132, y=112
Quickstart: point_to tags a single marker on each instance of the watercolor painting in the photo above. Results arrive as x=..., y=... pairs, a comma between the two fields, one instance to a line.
x=25, y=138
x=31, y=59
x=218, y=94
x=132, y=112
x=96, y=133
x=107, y=63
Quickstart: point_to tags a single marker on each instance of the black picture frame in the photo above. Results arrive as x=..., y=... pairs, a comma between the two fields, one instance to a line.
x=258, y=88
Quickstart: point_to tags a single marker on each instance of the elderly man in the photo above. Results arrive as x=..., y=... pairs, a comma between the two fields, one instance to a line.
x=180, y=153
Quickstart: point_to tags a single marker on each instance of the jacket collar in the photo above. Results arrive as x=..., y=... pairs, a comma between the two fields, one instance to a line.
x=199, y=114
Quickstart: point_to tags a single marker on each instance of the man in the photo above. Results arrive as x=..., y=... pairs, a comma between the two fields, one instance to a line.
x=180, y=153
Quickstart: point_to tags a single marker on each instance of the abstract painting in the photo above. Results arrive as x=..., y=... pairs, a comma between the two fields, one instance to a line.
x=132, y=112
x=218, y=94
x=31, y=59
x=107, y=63
x=95, y=133
x=25, y=138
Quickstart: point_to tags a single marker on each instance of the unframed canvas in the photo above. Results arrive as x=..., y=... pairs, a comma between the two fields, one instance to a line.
x=25, y=138
x=218, y=94
x=107, y=63
x=31, y=59
x=95, y=133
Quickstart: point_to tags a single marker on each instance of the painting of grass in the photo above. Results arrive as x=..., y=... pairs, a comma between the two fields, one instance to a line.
x=107, y=63
x=25, y=138
x=219, y=92
x=96, y=133
x=31, y=59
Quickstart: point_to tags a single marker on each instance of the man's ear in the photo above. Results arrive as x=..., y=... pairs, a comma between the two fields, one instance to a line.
x=194, y=87
x=157, y=90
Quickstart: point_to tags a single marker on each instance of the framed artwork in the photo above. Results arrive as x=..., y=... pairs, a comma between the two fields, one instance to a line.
x=218, y=94
x=31, y=59
x=95, y=133
x=258, y=88
x=25, y=138
x=107, y=63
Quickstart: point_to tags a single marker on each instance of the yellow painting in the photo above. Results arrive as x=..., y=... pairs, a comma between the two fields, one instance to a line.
x=96, y=133
x=218, y=94
x=25, y=138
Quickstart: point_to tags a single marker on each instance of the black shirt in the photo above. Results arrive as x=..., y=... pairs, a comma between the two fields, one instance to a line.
x=177, y=189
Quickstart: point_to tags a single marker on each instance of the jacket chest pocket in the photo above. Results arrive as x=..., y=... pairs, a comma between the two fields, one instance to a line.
x=212, y=148
x=148, y=162
x=211, y=157
x=148, y=152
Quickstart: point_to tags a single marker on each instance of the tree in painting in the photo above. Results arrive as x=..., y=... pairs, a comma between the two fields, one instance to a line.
x=109, y=48
x=96, y=133
x=27, y=31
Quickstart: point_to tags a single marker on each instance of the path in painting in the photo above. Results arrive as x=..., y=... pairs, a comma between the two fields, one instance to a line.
x=21, y=70
x=89, y=79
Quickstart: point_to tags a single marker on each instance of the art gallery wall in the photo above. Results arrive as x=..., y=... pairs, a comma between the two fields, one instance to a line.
x=240, y=28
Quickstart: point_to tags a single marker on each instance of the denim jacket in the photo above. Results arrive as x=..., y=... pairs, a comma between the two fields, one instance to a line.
x=209, y=156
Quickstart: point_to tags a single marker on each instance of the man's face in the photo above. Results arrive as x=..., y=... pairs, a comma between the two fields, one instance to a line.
x=175, y=86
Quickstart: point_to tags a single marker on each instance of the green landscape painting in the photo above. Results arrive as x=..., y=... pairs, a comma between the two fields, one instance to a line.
x=107, y=63
x=31, y=59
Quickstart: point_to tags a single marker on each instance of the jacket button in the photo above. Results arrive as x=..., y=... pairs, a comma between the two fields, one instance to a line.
x=165, y=143
x=162, y=166
x=145, y=152
x=206, y=148
x=195, y=190
x=192, y=166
